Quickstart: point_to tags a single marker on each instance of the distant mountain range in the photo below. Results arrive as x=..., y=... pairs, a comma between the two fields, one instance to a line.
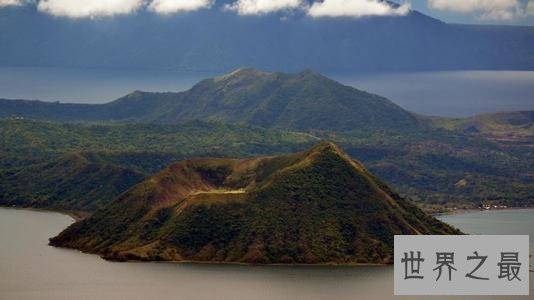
x=317, y=206
x=303, y=101
x=436, y=161
x=216, y=41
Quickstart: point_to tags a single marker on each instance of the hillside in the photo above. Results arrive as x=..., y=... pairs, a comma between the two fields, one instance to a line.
x=302, y=101
x=70, y=182
x=217, y=40
x=507, y=127
x=441, y=161
x=191, y=138
x=317, y=206
x=83, y=167
x=434, y=167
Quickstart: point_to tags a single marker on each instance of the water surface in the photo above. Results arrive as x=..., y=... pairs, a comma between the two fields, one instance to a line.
x=448, y=93
x=29, y=269
x=452, y=93
x=89, y=85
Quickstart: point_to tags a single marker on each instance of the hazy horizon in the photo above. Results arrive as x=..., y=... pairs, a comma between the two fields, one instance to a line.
x=440, y=93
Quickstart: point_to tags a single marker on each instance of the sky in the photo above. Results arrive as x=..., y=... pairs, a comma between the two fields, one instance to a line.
x=513, y=12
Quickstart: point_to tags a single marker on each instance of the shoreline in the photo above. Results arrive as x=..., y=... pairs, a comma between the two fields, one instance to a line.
x=225, y=263
x=80, y=215
x=473, y=210
x=73, y=214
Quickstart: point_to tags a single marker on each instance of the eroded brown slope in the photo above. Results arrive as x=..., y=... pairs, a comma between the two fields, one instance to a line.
x=318, y=206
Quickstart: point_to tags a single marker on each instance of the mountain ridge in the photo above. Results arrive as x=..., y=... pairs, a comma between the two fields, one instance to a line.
x=315, y=206
x=421, y=156
x=297, y=101
x=188, y=42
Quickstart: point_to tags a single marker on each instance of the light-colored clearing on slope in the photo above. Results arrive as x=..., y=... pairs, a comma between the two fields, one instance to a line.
x=219, y=191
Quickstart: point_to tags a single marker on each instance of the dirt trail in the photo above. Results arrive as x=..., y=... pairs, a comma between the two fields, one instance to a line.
x=217, y=191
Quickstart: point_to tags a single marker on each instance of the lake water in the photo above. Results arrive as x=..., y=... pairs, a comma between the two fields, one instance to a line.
x=451, y=93
x=29, y=269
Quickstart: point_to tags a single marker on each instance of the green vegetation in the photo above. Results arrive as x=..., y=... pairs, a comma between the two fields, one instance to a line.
x=70, y=182
x=303, y=101
x=438, y=162
x=193, y=138
x=84, y=167
x=510, y=127
x=428, y=167
x=317, y=206
x=119, y=162
x=425, y=165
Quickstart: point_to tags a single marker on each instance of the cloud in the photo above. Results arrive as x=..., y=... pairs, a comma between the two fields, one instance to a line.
x=4, y=3
x=261, y=7
x=176, y=6
x=484, y=9
x=530, y=8
x=355, y=8
x=89, y=8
